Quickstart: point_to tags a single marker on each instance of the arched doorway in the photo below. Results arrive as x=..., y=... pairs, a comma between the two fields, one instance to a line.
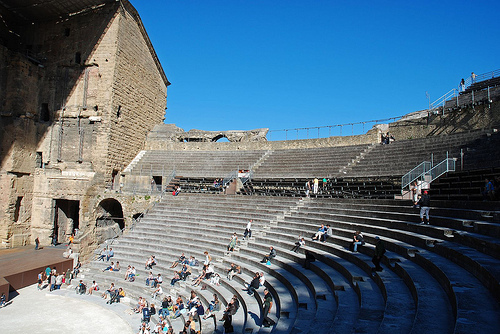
x=109, y=221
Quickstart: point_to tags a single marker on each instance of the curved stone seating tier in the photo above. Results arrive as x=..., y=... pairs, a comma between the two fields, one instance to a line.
x=154, y=232
x=453, y=270
x=308, y=162
x=482, y=265
x=337, y=187
x=450, y=229
x=138, y=288
x=354, y=161
x=394, y=296
x=438, y=278
x=123, y=245
x=176, y=233
x=199, y=235
x=455, y=293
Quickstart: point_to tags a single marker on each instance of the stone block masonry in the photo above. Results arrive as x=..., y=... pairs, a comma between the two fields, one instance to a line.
x=72, y=115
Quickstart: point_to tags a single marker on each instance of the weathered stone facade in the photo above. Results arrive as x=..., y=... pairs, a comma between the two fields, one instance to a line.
x=79, y=93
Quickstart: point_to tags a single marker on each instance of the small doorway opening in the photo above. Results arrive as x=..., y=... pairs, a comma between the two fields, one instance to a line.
x=66, y=219
x=156, y=183
x=110, y=214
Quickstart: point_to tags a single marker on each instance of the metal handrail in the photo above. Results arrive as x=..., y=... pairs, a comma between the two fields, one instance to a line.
x=167, y=181
x=444, y=166
x=481, y=77
x=415, y=173
x=330, y=127
x=440, y=102
x=231, y=176
x=429, y=172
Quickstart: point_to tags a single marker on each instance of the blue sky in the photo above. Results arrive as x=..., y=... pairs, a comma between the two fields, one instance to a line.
x=239, y=65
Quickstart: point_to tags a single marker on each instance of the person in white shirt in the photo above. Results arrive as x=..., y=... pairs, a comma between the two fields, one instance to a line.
x=248, y=230
x=208, y=258
x=262, y=279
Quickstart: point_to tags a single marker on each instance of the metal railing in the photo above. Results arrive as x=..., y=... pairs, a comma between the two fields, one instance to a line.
x=469, y=81
x=427, y=172
x=455, y=92
x=348, y=129
x=415, y=174
x=447, y=165
x=440, y=102
x=231, y=176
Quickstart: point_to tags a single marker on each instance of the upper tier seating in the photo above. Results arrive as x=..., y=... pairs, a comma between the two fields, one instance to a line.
x=195, y=163
x=359, y=161
x=308, y=162
x=399, y=157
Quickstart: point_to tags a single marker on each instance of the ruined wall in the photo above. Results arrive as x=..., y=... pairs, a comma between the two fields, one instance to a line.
x=159, y=144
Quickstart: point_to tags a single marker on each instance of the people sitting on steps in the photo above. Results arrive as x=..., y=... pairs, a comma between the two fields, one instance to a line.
x=267, y=258
x=301, y=242
x=150, y=262
x=254, y=284
x=319, y=234
x=357, y=240
x=233, y=270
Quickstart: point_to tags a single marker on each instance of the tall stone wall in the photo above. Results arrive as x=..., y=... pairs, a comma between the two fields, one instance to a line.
x=138, y=94
x=74, y=111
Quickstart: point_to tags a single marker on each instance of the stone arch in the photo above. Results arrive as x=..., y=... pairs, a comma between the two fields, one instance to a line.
x=221, y=137
x=110, y=214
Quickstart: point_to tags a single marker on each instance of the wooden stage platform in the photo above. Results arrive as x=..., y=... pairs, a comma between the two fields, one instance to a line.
x=19, y=267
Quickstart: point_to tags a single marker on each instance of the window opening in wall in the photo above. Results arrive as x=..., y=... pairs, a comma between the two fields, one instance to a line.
x=17, y=208
x=78, y=58
x=66, y=32
x=44, y=113
x=119, y=112
x=39, y=160
x=114, y=179
x=156, y=183
x=96, y=108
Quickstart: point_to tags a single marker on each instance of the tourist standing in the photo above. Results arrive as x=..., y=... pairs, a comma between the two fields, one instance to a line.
x=379, y=253
x=268, y=304
x=425, y=206
x=248, y=230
